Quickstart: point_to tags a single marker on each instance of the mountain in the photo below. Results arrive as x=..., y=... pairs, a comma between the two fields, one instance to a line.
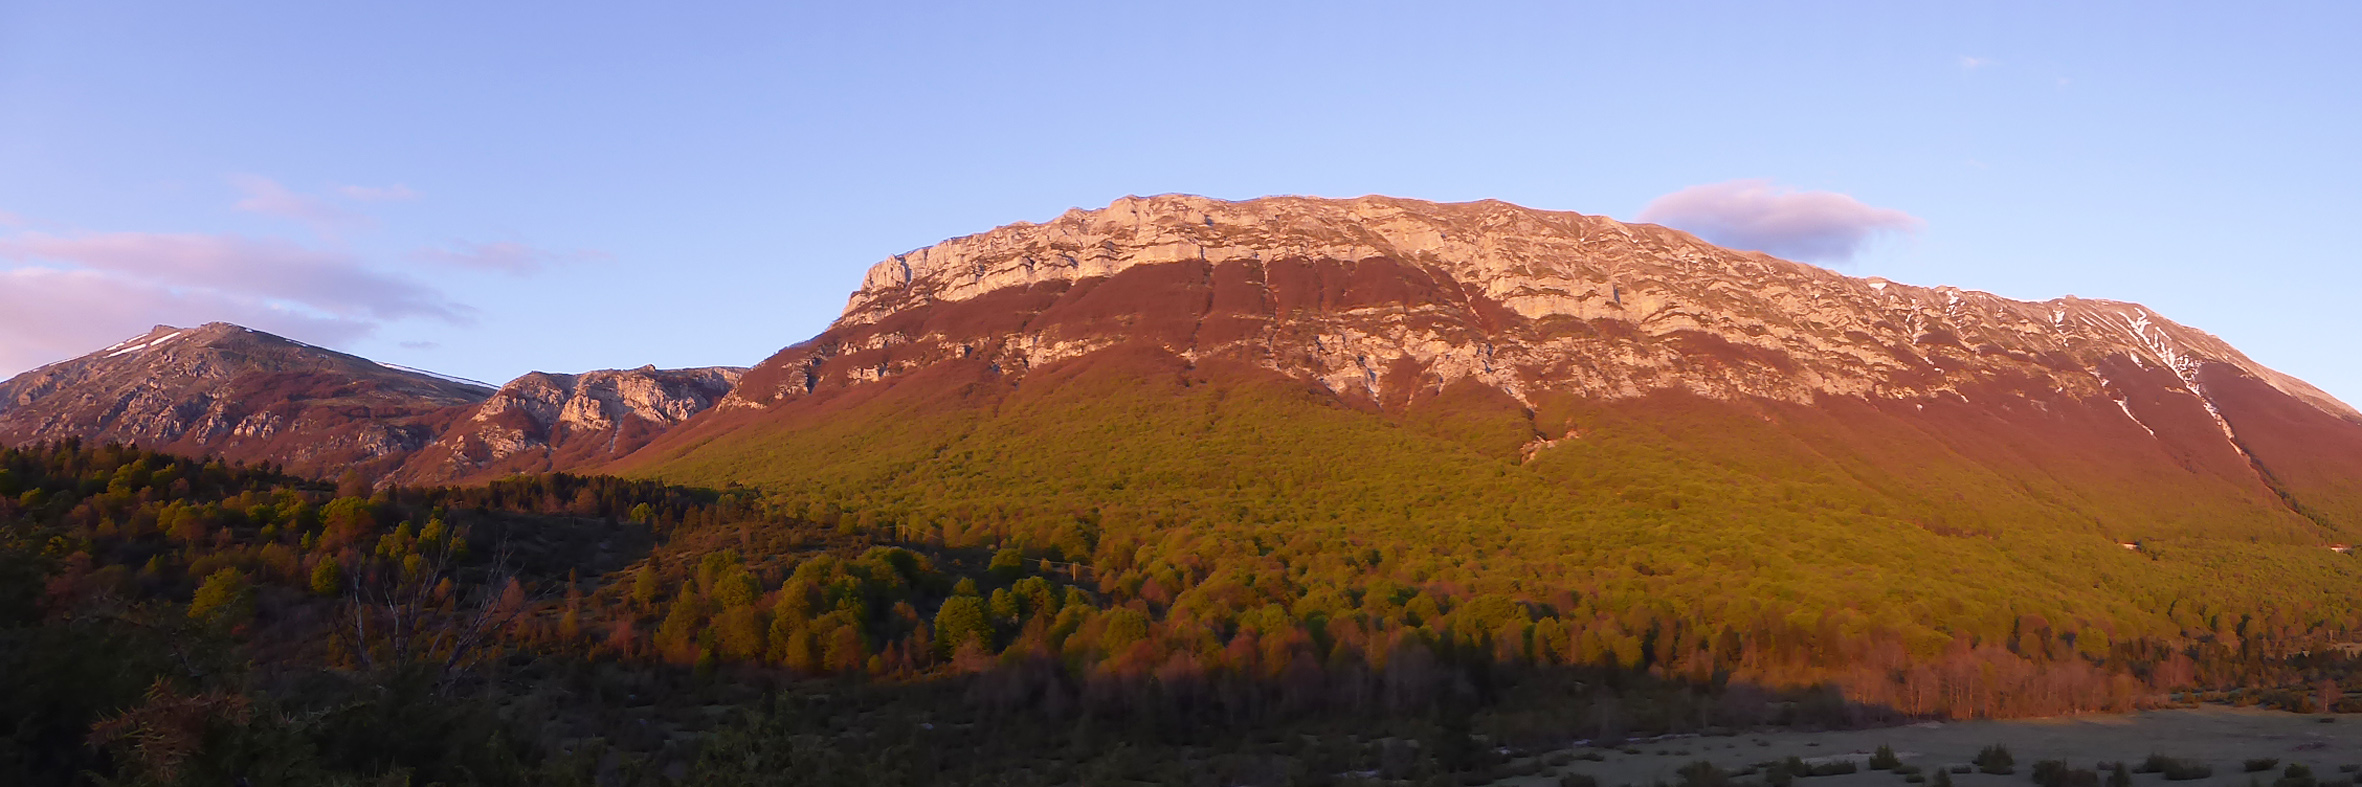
x=545, y=422
x=222, y=390
x=1528, y=399
x=228, y=391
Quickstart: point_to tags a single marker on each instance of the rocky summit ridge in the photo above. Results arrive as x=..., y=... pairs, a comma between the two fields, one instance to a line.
x=1351, y=292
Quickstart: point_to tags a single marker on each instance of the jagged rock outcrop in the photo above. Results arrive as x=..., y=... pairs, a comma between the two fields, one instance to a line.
x=222, y=390
x=543, y=422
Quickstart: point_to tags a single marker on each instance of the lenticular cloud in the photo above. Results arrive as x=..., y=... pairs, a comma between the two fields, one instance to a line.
x=1818, y=226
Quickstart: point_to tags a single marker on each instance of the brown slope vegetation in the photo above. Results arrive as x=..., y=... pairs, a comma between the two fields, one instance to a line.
x=1670, y=506
x=1611, y=420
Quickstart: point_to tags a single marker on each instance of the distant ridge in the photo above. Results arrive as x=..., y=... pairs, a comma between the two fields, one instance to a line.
x=228, y=391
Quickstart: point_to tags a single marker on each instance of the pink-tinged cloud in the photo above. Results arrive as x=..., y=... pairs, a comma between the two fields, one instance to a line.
x=1818, y=226
x=505, y=257
x=50, y=315
x=266, y=197
x=328, y=282
x=393, y=193
x=8, y=219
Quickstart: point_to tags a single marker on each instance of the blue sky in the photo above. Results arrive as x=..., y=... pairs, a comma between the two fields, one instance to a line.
x=490, y=188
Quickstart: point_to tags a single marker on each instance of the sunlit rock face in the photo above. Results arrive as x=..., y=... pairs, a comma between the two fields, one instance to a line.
x=1374, y=296
x=542, y=422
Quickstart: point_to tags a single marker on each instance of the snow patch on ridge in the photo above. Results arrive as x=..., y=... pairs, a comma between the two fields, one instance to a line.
x=144, y=345
x=2136, y=420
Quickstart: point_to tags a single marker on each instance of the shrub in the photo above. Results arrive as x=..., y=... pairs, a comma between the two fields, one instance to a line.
x=1885, y=759
x=226, y=595
x=1996, y=759
x=1943, y=778
x=1577, y=780
x=2260, y=764
x=1835, y=768
x=1703, y=774
x=2176, y=770
x=2056, y=773
x=2297, y=775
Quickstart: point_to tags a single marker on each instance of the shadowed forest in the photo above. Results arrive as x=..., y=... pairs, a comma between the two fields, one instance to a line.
x=173, y=621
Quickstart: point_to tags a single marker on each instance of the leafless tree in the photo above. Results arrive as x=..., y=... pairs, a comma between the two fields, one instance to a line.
x=417, y=611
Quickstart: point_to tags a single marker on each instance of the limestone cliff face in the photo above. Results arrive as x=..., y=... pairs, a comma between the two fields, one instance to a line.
x=542, y=422
x=222, y=390
x=1373, y=295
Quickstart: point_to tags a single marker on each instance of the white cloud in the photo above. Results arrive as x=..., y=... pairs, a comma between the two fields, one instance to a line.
x=1819, y=226
x=47, y=315
x=330, y=282
x=1974, y=63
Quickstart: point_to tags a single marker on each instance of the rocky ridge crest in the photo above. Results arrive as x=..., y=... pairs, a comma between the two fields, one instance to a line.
x=543, y=421
x=1522, y=300
x=223, y=390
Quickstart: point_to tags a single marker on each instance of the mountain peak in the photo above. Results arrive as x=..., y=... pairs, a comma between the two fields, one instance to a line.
x=1481, y=278
x=1391, y=305
x=224, y=389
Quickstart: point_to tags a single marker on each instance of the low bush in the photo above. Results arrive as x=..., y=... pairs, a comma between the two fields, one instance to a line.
x=1836, y=768
x=2056, y=773
x=2260, y=764
x=1703, y=774
x=2176, y=770
x=1996, y=759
